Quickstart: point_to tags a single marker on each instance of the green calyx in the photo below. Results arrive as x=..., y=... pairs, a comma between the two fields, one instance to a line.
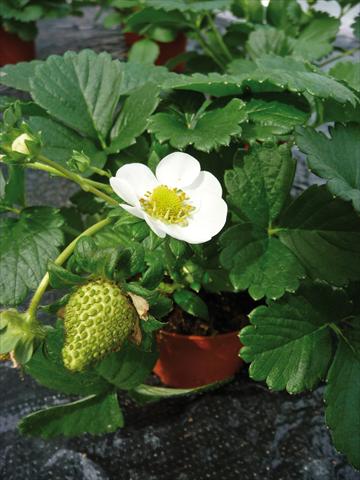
x=20, y=334
x=98, y=318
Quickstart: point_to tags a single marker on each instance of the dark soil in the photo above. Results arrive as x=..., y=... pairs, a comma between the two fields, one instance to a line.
x=228, y=313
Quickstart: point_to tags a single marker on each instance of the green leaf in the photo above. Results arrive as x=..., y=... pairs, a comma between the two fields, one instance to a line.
x=336, y=159
x=128, y=367
x=261, y=185
x=191, y=303
x=259, y=263
x=356, y=27
x=314, y=42
x=59, y=142
x=200, y=132
x=92, y=259
x=47, y=368
x=279, y=117
x=26, y=245
x=324, y=233
x=265, y=40
x=342, y=397
x=59, y=277
x=81, y=90
x=185, y=6
x=93, y=414
x=15, y=186
x=271, y=74
x=134, y=116
x=349, y=72
x=289, y=343
x=144, y=51
x=18, y=76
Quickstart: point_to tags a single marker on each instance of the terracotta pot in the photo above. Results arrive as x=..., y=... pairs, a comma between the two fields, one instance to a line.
x=13, y=49
x=187, y=361
x=168, y=50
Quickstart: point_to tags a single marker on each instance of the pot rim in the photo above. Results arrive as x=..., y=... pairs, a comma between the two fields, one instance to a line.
x=198, y=337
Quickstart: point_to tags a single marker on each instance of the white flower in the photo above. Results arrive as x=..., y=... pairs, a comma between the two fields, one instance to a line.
x=19, y=144
x=180, y=200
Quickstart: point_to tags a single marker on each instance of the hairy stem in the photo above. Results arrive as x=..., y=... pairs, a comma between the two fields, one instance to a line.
x=64, y=255
x=219, y=39
x=207, y=48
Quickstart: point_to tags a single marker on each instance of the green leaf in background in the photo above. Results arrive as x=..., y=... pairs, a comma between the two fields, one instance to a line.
x=144, y=51
x=266, y=39
x=279, y=118
x=336, y=159
x=184, y=6
x=259, y=263
x=342, y=395
x=93, y=414
x=18, y=76
x=315, y=40
x=13, y=192
x=199, y=131
x=26, y=245
x=356, y=27
x=348, y=72
x=289, y=342
x=127, y=368
x=81, y=90
x=324, y=233
x=59, y=142
x=260, y=186
x=47, y=368
x=134, y=116
x=191, y=303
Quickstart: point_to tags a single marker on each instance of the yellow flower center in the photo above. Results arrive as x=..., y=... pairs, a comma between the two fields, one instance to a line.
x=170, y=205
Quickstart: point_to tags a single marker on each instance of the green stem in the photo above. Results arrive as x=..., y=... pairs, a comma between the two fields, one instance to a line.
x=219, y=39
x=10, y=209
x=82, y=182
x=53, y=171
x=64, y=255
x=207, y=48
x=337, y=57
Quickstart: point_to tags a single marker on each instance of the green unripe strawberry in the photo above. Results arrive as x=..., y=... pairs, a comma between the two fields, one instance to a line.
x=98, y=318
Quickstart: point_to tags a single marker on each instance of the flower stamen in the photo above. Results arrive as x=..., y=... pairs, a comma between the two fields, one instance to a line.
x=170, y=205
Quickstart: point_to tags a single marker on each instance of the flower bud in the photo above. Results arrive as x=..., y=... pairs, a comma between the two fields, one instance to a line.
x=19, y=144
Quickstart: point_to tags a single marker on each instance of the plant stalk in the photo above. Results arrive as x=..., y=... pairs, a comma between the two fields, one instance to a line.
x=219, y=39
x=337, y=57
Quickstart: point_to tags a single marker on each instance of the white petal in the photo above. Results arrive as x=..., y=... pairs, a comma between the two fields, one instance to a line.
x=178, y=170
x=156, y=226
x=138, y=177
x=206, y=183
x=123, y=190
x=206, y=222
x=137, y=212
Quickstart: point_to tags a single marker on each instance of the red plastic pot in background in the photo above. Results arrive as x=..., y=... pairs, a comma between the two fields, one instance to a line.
x=188, y=361
x=13, y=49
x=168, y=50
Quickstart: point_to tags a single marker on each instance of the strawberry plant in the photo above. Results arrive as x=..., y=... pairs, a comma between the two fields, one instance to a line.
x=185, y=189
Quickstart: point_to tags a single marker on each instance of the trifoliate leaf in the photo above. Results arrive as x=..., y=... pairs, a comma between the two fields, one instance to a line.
x=93, y=414
x=26, y=245
x=289, y=343
x=134, y=116
x=81, y=90
x=181, y=131
x=349, y=72
x=342, y=395
x=259, y=263
x=261, y=185
x=336, y=159
x=324, y=233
